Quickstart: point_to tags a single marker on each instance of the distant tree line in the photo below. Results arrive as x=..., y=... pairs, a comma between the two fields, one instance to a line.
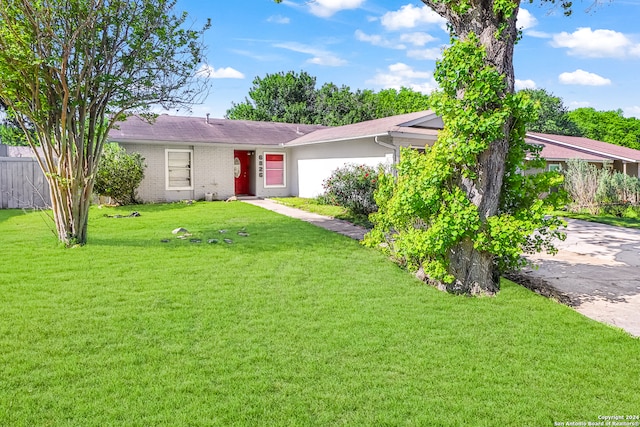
x=607, y=126
x=294, y=98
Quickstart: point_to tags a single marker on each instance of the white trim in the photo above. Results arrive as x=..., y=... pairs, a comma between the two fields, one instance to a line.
x=284, y=169
x=412, y=135
x=554, y=167
x=425, y=120
x=166, y=168
x=295, y=143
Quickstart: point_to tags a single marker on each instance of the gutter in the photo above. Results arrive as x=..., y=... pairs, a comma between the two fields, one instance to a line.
x=396, y=150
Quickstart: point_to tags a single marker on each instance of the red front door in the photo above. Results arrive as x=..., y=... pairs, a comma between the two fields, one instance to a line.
x=241, y=171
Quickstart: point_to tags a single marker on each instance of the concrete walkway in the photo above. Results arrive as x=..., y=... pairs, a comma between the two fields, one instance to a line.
x=597, y=266
x=332, y=224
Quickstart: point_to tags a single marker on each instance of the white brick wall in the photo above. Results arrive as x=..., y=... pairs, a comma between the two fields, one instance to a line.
x=213, y=172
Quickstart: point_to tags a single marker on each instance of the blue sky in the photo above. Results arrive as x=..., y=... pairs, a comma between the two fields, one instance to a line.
x=590, y=59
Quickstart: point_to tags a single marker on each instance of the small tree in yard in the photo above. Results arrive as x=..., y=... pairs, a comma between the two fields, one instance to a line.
x=70, y=69
x=119, y=174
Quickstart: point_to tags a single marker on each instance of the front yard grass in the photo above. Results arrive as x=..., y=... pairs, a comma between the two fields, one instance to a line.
x=291, y=325
x=603, y=219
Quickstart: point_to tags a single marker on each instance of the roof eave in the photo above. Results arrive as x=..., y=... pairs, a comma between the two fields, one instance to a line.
x=296, y=143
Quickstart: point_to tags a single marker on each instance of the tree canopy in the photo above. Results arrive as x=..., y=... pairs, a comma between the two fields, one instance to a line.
x=70, y=69
x=607, y=126
x=293, y=98
x=552, y=115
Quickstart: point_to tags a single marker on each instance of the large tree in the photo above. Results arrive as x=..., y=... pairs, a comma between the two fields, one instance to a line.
x=281, y=97
x=552, y=114
x=462, y=213
x=70, y=69
x=293, y=98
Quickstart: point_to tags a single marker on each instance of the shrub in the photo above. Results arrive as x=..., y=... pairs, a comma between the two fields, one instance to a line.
x=598, y=190
x=352, y=187
x=581, y=182
x=119, y=174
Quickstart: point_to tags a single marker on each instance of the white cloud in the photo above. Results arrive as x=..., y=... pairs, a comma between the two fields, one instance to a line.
x=377, y=40
x=327, y=60
x=538, y=34
x=525, y=84
x=579, y=104
x=278, y=19
x=632, y=111
x=207, y=71
x=585, y=42
x=526, y=20
x=583, y=78
x=417, y=38
x=409, y=16
x=430, y=54
x=402, y=75
x=319, y=56
x=327, y=8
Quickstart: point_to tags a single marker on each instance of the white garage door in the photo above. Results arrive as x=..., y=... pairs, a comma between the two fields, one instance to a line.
x=312, y=172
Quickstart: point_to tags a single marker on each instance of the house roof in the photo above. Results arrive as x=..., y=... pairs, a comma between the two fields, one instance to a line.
x=559, y=147
x=422, y=123
x=168, y=128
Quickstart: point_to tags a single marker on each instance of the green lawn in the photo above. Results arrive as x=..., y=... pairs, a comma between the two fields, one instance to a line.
x=292, y=325
x=603, y=219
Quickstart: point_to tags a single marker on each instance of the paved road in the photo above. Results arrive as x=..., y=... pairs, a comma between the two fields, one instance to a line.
x=598, y=267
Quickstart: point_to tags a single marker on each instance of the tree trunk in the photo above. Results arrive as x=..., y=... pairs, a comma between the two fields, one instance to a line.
x=70, y=205
x=474, y=270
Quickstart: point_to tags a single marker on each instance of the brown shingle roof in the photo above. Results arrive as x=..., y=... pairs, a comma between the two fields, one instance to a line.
x=196, y=130
x=378, y=127
x=568, y=147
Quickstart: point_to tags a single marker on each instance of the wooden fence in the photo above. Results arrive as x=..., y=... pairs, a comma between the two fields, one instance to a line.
x=22, y=184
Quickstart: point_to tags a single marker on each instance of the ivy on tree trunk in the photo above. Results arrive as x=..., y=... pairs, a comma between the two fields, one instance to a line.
x=462, y=213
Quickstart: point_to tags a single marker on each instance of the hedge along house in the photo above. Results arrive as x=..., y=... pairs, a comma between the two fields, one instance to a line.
x=189, y=157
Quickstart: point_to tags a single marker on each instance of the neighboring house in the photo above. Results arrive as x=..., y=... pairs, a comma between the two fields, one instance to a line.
x=189, y=157
x=557, y=149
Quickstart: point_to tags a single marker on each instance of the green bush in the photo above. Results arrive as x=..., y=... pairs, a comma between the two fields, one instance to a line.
x=352, y=187
x=600, y=190
x=119, y=174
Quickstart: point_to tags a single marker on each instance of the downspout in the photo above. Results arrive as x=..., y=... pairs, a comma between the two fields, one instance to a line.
x=396, y=151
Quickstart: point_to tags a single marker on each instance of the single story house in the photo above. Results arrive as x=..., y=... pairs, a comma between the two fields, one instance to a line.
x=194, y=157
x=191, y=157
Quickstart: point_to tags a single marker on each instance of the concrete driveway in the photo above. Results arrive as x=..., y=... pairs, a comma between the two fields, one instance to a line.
x=598, y=268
